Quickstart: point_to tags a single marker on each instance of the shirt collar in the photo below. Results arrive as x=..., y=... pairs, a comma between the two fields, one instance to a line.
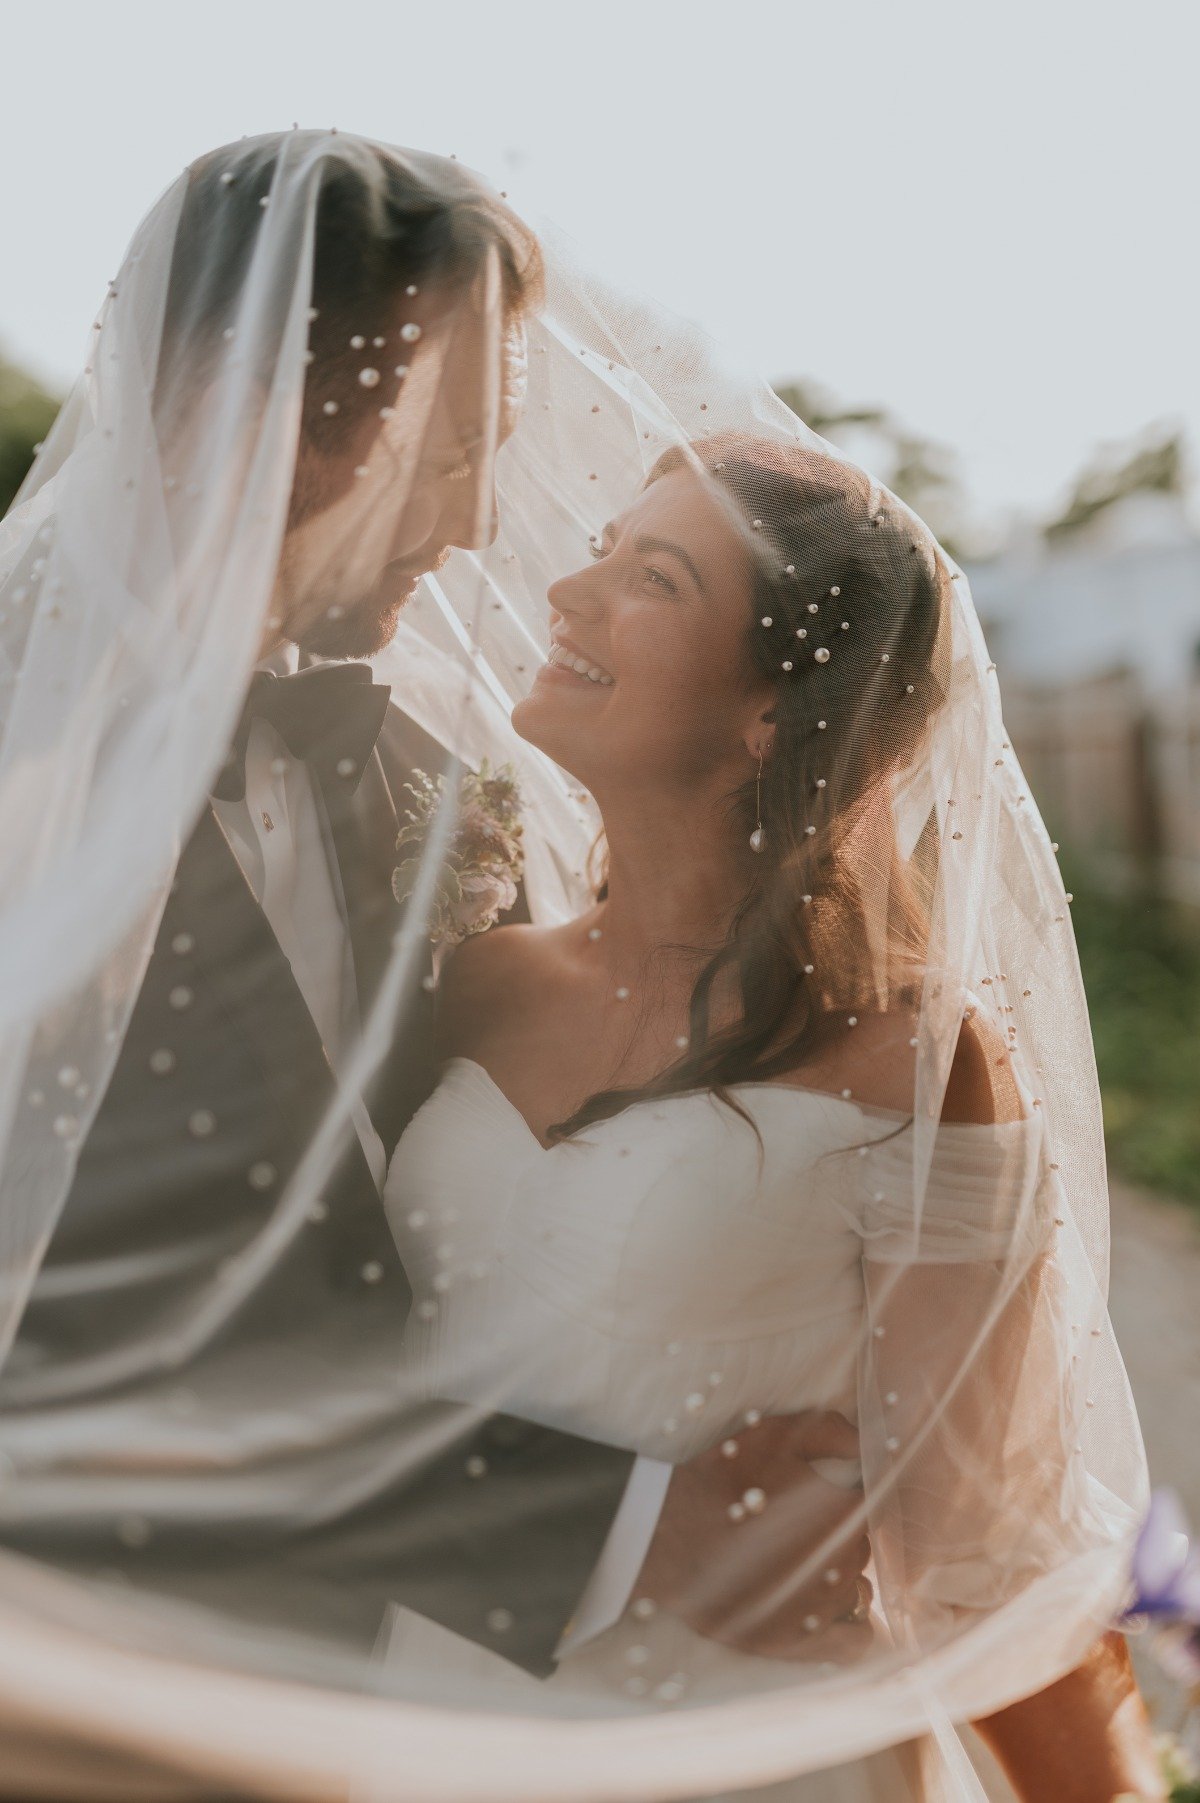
x=283, y=661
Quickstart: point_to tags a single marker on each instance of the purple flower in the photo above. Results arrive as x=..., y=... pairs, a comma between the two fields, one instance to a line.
x=1166, y=1567
x=1177, y=1649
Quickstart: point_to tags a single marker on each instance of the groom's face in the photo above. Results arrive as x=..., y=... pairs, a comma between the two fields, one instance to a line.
x=415, y=483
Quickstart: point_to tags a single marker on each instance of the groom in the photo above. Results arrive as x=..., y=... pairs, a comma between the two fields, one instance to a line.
x=329, y=1495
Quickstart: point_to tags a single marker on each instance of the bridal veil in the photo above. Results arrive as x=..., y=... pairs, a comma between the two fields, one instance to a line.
x=1001, y=1469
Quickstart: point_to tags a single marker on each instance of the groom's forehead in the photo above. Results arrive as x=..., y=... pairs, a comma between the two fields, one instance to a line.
x=468, y=385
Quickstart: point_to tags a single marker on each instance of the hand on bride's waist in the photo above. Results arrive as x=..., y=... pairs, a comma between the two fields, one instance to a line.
x=757, y=1548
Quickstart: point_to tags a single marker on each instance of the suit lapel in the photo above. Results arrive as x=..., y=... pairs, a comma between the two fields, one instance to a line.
x=362, y=832
x=239, y=940
x=362, y=824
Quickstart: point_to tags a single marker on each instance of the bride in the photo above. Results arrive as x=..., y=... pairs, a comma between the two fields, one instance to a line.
x=675, y=1131
x=718, y=1385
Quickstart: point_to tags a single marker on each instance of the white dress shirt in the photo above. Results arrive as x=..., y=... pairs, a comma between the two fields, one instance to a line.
x=277, y=837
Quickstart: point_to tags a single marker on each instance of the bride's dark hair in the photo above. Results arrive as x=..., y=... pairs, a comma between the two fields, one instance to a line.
x=850, y=618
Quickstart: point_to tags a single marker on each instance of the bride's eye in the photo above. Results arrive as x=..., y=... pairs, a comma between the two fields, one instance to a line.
x=596, y=548
x=658, y=580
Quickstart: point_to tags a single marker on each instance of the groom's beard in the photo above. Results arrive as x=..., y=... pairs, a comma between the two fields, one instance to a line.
x=337, y=628
x=359, y=631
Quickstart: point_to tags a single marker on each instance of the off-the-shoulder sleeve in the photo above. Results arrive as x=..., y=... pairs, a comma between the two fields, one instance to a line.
x=972, y=1375
x=975, y=1193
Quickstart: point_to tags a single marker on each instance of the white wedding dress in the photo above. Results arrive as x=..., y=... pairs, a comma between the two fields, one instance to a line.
x=655, y=1280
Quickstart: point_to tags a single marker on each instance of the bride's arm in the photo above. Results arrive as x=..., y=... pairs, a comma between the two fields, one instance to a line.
x=957, y=1547
x=758, y=1594
x=1084, y=1738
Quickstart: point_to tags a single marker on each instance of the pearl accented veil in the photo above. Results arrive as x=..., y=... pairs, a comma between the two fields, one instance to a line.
x=166, y=1401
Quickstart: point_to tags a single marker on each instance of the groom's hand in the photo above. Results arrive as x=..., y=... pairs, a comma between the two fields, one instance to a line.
x=733, y=1553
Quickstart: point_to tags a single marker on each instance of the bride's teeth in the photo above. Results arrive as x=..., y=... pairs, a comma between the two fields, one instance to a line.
x=568, y=661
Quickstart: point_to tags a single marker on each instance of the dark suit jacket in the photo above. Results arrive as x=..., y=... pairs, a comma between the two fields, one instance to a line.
x=266, y=1466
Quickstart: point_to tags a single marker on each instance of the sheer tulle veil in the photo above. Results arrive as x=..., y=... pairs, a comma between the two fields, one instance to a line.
x=1002, y=1474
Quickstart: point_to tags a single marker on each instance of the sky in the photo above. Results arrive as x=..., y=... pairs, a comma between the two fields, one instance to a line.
x=980, y=216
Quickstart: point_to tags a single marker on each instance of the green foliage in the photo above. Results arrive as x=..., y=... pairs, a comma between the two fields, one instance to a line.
x=1141, y=967
x=1155, y=463
x=825, y=415
x=1178, y=1770
x=922, y=473
x=26, y=415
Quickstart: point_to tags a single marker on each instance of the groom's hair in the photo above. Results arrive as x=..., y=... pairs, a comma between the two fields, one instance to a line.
x=384, y=222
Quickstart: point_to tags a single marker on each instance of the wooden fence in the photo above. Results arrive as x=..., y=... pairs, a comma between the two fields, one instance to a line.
x=1116, y=775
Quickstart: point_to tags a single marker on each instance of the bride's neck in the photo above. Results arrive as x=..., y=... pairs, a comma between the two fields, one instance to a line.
x=676, y=875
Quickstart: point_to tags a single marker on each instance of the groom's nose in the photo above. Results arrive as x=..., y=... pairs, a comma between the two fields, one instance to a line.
x=469, y=526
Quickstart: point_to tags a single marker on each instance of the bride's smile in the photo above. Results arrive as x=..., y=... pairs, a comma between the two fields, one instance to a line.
x=649, y=683
x=565, y=659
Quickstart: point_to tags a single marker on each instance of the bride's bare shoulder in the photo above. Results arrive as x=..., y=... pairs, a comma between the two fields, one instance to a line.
x=874, y=1056
x=496, y=956
x=492, y=971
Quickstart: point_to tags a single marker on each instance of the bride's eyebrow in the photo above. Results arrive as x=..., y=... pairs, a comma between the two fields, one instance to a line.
x=673, y=550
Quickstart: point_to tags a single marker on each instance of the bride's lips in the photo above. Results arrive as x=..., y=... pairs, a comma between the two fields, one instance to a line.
x=569, y=663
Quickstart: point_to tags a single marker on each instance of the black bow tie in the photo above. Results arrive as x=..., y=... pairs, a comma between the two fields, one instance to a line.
x=329, y=716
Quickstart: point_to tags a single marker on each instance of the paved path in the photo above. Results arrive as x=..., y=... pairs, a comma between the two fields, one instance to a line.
x=1154, y=1299
x=1155, y=1303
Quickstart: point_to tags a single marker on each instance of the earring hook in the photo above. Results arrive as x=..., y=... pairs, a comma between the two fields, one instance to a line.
x=758, y=837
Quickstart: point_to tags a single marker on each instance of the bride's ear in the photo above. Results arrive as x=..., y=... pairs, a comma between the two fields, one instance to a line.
x=759, y=733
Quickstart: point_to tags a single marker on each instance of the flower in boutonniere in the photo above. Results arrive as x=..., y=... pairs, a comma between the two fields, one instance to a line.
x=482, y=868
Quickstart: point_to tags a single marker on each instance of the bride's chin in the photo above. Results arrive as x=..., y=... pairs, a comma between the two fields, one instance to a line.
x=529, y=725
x=531, y=722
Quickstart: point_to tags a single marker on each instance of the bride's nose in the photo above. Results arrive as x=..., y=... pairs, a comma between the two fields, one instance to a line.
x=580, y=593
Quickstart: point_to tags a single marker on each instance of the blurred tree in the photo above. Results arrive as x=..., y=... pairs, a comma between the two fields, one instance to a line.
x=1154, y=462
x=817, y=408
x=26, y=414
x=922, y=472
x=1140, y=956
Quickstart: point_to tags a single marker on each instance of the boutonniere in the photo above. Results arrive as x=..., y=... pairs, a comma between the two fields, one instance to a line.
x=482, y=868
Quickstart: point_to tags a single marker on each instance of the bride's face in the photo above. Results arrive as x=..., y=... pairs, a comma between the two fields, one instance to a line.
x=667, y=695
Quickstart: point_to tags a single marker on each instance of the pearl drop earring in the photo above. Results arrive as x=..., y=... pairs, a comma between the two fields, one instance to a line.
x=758, y=838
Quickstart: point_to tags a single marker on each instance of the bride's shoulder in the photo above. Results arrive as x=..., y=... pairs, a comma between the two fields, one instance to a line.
x=874, y=1054
x=492, y=971
x=484, y=959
